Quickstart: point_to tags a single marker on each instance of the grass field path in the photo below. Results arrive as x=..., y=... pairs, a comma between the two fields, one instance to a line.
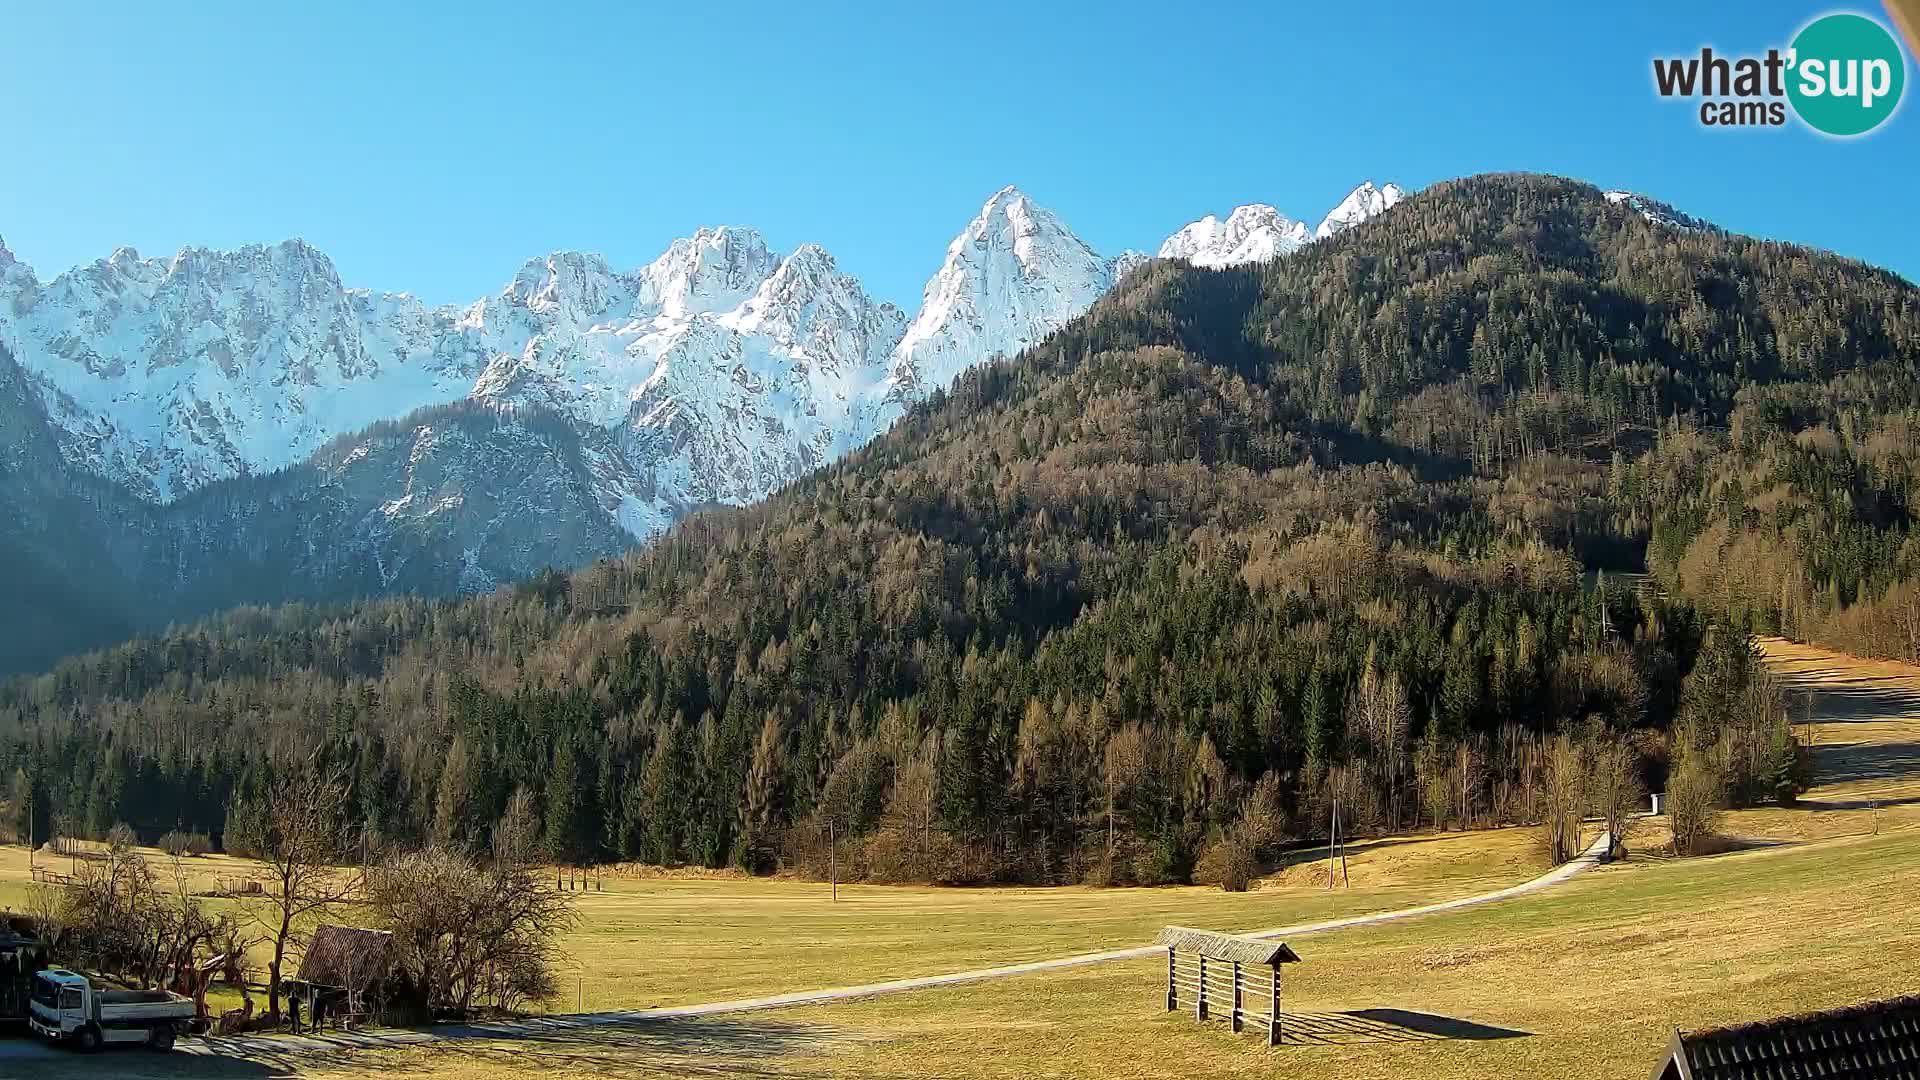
x=282, y=1046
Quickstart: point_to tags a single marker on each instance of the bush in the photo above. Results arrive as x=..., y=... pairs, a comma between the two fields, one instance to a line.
x=1227, y=861
x=185, y=843
x=1696, y=793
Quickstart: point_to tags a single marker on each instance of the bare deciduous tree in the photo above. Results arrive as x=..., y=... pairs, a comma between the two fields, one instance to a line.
x=299, y=838
x=1564, y=799
x=1615, y=784
x=470, y=933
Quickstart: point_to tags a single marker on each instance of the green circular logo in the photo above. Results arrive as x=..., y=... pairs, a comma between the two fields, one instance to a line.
x=1847, y=74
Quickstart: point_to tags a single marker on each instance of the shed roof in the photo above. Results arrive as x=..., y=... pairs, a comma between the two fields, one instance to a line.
x=1876, y=1039
x=1245, y=950
x=347, y=957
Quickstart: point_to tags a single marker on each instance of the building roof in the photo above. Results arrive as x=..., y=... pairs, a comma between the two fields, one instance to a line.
x=1877, y=1039
x=346, y=957
x=1245, y=950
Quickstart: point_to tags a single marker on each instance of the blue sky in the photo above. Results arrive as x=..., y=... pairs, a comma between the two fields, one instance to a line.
x=435, y=147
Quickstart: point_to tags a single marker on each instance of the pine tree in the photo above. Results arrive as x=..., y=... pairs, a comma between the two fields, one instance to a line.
x=761, y=807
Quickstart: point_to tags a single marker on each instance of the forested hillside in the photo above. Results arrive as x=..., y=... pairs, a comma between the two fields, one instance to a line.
x=1231, y=544
x=460, y=497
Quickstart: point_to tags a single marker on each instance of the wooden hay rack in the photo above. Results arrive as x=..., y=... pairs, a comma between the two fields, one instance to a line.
x=1225, y=977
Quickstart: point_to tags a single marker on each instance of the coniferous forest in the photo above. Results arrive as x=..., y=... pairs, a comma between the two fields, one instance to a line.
x=1367, y=523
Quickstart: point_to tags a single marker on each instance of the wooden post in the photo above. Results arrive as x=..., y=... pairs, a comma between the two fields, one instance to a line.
x=1333, y=837
x=1200, y=1002
x=1173, y=994
x=1236, y=995
x=1273, y=1009
x=1345, y=881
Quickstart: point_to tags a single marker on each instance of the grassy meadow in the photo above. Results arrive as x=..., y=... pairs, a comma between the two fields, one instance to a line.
x=651, y=940
x=1588, y=979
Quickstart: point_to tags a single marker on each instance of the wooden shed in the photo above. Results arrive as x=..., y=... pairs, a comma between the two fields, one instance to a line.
x=21, y=956
x=346, y=976
x=1877, y=1039
x=1223, y=975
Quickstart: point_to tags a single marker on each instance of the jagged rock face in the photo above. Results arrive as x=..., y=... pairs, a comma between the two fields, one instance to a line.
x=465, y=497
x=1365, y=201
x=165, y=375
x=724, y=371
x=1258, y=233
x=1015, y=275
x=1253, y=233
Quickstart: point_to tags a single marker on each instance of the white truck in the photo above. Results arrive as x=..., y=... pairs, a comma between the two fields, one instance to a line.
x=68, y=1008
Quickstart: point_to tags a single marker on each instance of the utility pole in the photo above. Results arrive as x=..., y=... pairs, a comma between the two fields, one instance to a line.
x=833, y=861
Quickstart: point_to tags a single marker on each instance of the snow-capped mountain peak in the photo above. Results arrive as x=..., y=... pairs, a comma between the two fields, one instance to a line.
x=808, y=304
x=1252, y=233
x=1361, y=203
x=570, y=284
x=1014, y=275
x=711, y=271
x=1257, y=233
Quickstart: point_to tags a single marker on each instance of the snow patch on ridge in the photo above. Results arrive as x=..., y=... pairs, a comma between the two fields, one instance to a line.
x=1656, y=211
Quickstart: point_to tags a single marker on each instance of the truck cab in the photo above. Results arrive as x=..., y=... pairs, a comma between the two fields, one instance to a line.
x=68, y=1008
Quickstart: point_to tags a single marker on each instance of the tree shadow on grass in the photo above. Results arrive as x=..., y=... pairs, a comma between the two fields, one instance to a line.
x=1852, y=763
x=1383, y=1026
x=1857, y=699
x=647, y=1047
x=637, y=1047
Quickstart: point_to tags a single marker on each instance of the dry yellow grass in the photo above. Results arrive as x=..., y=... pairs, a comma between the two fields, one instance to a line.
x=1585, y=981
x=675, y=939
x=1863, y=719
x=655, y=942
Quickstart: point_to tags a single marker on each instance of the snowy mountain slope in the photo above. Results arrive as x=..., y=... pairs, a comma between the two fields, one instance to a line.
x=723, y=370
x=1363, y=202
x=1252, y=233
x=716, y=373
x=1014, y=275
x=1258, y=233
x=168, y=375
x=164, y=375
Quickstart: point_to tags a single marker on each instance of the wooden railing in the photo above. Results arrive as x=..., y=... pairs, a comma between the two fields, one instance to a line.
x=47, y=877
x=1224, y=990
